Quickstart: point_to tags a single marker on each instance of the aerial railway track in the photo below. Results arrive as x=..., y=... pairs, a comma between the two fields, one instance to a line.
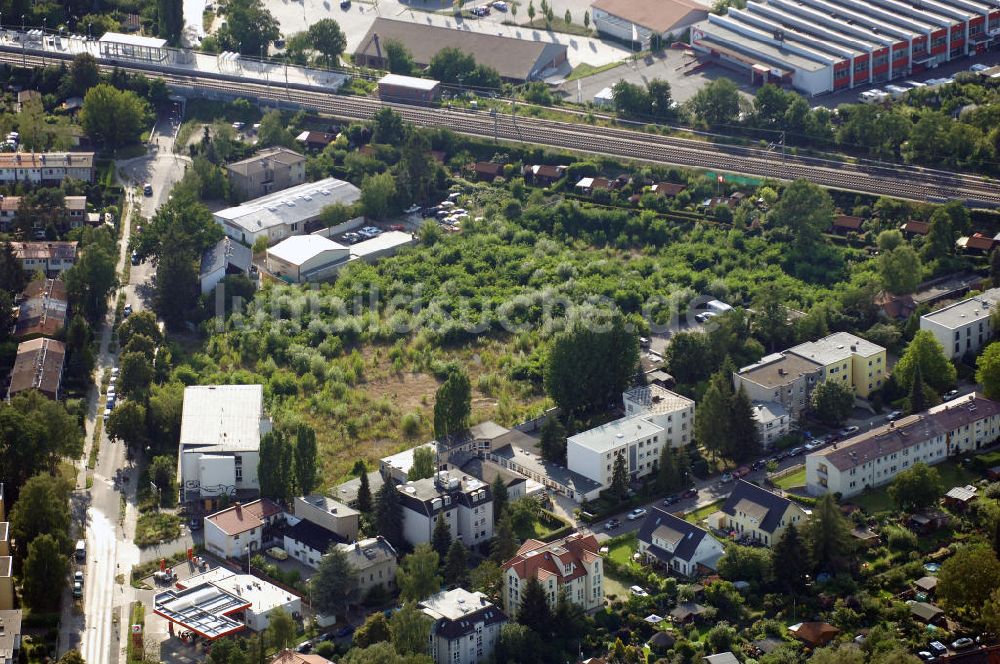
x=909, y=182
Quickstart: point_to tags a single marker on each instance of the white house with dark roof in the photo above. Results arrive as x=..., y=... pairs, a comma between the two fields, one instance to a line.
x=307, y=542
x=465, y=502
x=757, y=514
x=875, y=457
x=221, y=428
x=466, y=626
x=226, y=257
x=677, y=544
x=374, y=563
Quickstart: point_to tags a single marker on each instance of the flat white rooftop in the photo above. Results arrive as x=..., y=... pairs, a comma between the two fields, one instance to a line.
x=403, y=461
x=836, y=347
x=222, y=417
x=413, y=82
x=619, y=432
x=299, y=249
x=967, y=311
x=386, y=240
x=132, y=40
x=289, y=206
x=454, y=604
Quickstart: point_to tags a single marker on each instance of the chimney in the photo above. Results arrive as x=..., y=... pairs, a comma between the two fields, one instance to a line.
x=239, y=509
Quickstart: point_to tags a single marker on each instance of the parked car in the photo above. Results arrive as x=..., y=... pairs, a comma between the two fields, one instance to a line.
x=705, y=316
x=344, y=631
x=305, y=647
x=638, y=591
x=796, y=451
x=937, y=648
x=135, y=258
x=742, y=471
x=690, y=493
x=637, y=513
x=893, y=416
x=345, y=4
x=195, y=524
x=127, y=310
x=78, y=577
x=277, y=553
x=726, y=478
x=926, y=656
x=670, y=500
x=77, y=589
x=612, y=524
x=848, y=431
x=963, y=643
x=951, y=394
x=147, y=189
x=812, y=445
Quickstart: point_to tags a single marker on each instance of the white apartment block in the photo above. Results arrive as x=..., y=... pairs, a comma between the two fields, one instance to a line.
x=874, y=458
x=963, y=327
x=654, y=417
x=466, y=502
x=465, y=628
x=572, y=563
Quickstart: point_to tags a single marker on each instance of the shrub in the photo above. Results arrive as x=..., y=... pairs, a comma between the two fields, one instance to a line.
x=410, y=424
x=900, y=539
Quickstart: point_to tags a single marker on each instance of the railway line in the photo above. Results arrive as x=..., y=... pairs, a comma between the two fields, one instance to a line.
x=910, y=182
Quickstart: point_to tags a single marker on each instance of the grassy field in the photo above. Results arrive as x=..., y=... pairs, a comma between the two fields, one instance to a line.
x=703, y=512
x=156, y=527
x=798, y=478
x=952, y=474
x=583, y=70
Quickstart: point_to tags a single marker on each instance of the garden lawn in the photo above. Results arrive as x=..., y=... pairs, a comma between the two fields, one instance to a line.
x=703, y=512
x=952, y=474
x=798, y=478
x=622, y=552
x=156, y=528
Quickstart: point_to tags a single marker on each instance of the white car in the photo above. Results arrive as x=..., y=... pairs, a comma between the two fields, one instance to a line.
x=637, y=513
x=412, y=209
x=638, y=591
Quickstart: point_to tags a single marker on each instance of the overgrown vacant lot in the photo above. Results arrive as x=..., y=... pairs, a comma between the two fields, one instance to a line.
x=360, y=359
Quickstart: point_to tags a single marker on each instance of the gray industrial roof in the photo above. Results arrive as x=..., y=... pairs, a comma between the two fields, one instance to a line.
x=289, y=206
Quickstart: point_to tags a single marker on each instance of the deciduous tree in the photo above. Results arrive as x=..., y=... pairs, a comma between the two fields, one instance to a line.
x=397, y=57
x=127, y=424
x=375, y=629
x=334, y=587
x=832, y=402
x=424, y=464
x=553, y=441
x=135, y=377
x=717, y=103
x=967, y=580
x=170, y=19
x=249, y=27
x=804, y=208
x=45, y=568
x=275, y=472
x=41, y=508
x=417, y=576
x=409, y=629
x=988, y=371
x=916, y=488
x=377, y=194
x=935, y=368
x=504, y=545
x=306, y=470
x=281, y=628
x=327, y=38
x=112, y=117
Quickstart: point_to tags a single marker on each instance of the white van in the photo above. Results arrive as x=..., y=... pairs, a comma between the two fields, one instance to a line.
x=81, y=551
x=896, y=91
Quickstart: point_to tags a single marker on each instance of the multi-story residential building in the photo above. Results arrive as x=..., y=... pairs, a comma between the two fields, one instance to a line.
x=466, y=502
x=46, y=167
x=654, y=417
x=10, y=636
x=851, y=360
x=772, y=421
x=374, y=564
x=74, y=213
x=270, y=170
x=6, y=583
x=43, y=310
x=231, y=532
x=754, y=513
x=466, y=626
x=781, y=378
x=875, y=457
x=963, y=327
x=679, y=545
x=221, y=428
x=572, y=563
x=38, y=366
x=49, y=258
x=308, y=542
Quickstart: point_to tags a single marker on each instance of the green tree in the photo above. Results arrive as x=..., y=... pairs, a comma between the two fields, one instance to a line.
x=935, y=368
x=334, y=587
x=377, y=195
x=504, y=544
x=41, y=508
x=389, y=514
x=519, y=644
x=410, y=630
x=274, y=131
x=112, y=117
x=375, y=629
x=967, y=580
x=388, y=127
x=791, y=561
x=135, y=377
x=141, y=323
x=306, y=469
x=899, y=265
x=553, y=441
x=456, y=566
x=744, y=439
x=275, y=467
x=141, y=344
x=995, y=268
x=89, y=282
x=161, y=472
x=619, y=477
x=917, y=401
x=424, y=464
x=327, y=38
x=717, y=103
x=586, y=20
x=83, y=74
x=72, y=657
x=806, y=210
x=451, y=65
x=988, y=371
x=916, y=488
x=947, y=223
x=364, y=492
x=281, y=628
x=828, y=536
x=249, y=27
x=832, y=402
x=487, y=578
x=35, y=434
x=743, y=563
x=724, y=596
x=441, y=536
x=170, y=19
x=8, y=317
x=176, y=283
x=397, y=57
x=452, y=405
x=667, y=474
x=612, y=350
x=500, y=496
x=534, y=612
x=689, y=358
x=45, y=568
x=12, y=275
x=417, y=576
x=712, y=426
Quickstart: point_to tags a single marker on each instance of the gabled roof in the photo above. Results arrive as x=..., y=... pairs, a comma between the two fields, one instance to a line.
x=814, y=633
x=226, y=252
x=38, y=366
x=241, y=518
x=766, y=507
x=666, y=526
x=535, y=558
x=926, y=612
x=847, y=222
x=660, y=16
x=916, y=227
x=314, y=536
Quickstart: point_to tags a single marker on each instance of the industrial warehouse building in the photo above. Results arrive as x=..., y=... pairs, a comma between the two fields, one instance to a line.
x=819, y=46
x=516, y=60
x=639, y=20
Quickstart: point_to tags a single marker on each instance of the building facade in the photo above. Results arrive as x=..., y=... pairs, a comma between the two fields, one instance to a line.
x=270, y=170
x=782, y=378
x=46, y=167
x=756, y=514
x=772, y=421
x=49, y=258
x=676, y=544
x=374, y=563
x=654, y=417
x=395, y=87
x=465, y=502
x=572, y=563
x=848, y=359
x=465, y=628
x=642, y=20
x=963, y=327
x=232, y=532
x=875, y=457
x=329, y=513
